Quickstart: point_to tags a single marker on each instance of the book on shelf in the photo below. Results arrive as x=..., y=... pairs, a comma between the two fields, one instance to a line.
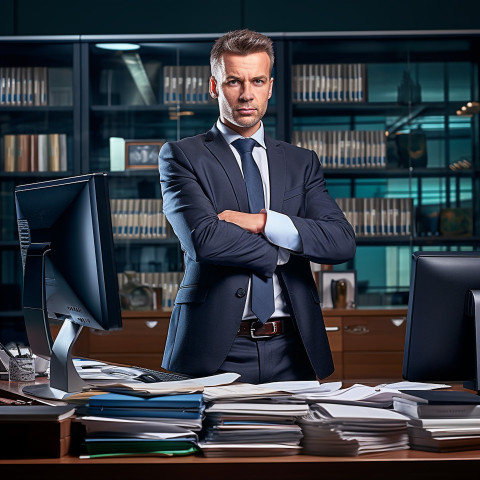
x=35, y=152
x=329, y=82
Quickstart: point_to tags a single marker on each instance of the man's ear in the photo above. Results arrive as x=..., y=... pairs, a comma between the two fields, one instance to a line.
x=271, y=88
x=212, y=87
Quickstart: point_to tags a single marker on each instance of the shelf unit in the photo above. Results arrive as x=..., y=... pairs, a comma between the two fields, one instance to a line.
x=106, y=102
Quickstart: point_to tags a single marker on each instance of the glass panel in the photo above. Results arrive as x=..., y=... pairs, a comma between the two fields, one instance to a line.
x=158, y=92
x=387, y=283
x=8, y=223
x=11, y=279
x=36, y=105
x=459, y=81
x=430, y=77
x=383, y=81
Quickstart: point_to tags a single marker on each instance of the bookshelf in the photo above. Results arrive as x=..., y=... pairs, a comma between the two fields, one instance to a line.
x=338, y=93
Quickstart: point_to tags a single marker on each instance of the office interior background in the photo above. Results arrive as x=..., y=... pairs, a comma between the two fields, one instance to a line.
x=432, y=46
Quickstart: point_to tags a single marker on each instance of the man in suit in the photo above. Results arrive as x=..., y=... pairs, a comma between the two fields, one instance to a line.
x=251, y=213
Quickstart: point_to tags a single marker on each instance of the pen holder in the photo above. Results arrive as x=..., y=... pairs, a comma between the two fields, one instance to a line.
x=21, y=369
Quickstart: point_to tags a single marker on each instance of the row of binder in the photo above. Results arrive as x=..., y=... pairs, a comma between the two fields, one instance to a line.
x=329, y=82
x=35, y=152
x=139, y=218
x=186, y=84
x=23, y=86
x=345, y=148
x=378, y=216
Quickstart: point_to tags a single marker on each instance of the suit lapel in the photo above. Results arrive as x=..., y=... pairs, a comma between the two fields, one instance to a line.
x=277, y=171
x=219, y=148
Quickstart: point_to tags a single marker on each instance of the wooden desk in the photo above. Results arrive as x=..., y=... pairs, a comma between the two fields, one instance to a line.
x=404, y=465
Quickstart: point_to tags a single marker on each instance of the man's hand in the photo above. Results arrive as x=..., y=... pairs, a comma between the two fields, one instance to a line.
x=252, y=222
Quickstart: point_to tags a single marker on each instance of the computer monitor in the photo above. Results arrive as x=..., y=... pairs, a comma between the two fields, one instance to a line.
x=69, y=273
x=442, y=337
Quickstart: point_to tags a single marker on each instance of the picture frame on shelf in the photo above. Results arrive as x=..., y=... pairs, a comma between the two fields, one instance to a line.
x=338, y=289
x=142, y=154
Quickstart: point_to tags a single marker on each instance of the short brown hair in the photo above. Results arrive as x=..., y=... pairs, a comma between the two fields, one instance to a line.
x=241, y=42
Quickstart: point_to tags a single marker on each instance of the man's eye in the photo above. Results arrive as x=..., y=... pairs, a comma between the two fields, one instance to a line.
x=233, y=82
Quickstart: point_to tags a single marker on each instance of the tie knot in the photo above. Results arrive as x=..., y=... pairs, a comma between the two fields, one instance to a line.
x=244, y=145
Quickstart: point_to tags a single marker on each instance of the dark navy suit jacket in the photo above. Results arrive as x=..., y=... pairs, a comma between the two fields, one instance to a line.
x=200, y=178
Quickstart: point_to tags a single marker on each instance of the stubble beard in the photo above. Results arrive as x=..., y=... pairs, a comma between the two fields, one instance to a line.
x=239, y=120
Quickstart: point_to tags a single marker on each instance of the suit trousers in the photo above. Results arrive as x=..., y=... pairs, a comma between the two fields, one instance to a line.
x=272, y=359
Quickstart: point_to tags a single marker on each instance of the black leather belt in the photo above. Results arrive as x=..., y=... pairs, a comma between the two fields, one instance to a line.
x=255, y=329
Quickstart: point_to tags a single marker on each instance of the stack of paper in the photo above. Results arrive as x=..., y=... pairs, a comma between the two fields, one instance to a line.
x=252, y=429
x=129, y=436
x=444, y=434
x=348, y=430
x=442, y=421
x=135, y=425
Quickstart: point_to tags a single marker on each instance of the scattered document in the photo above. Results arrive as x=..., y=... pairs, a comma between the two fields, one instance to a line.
x=413, y=386
x=193, y=385
x=266, y=391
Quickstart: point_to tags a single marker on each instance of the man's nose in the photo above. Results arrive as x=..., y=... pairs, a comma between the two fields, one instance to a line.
x=247, y=92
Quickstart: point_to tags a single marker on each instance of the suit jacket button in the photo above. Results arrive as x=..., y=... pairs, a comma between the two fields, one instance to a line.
x=240, y=292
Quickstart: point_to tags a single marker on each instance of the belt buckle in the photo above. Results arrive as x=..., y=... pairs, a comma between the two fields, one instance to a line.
x=252, y=331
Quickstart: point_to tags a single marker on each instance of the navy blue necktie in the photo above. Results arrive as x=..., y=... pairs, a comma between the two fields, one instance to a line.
x=262, y=289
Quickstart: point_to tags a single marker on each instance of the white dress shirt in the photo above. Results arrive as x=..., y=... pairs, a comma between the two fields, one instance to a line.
x=279, y=228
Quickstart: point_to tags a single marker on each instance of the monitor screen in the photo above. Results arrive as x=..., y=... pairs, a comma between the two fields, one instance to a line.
x=67, y=251
x=440, y=338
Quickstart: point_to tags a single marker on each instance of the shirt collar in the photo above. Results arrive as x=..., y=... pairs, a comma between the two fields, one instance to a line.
x=230, y=135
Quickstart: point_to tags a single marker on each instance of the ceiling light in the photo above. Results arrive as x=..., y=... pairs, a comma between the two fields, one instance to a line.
x=118, y=46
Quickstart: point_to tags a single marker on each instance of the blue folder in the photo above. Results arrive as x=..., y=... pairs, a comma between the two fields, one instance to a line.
x=192, y=400
x=167, y=406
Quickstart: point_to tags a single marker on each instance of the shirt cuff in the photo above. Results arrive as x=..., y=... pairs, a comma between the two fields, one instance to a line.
x=280, y=230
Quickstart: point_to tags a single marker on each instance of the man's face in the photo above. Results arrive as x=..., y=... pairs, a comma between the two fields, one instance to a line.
x=243, y=86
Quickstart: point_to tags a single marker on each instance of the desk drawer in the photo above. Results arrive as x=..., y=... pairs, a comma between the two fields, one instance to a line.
x=376, y=365
x=138, y=336
x=385, y=333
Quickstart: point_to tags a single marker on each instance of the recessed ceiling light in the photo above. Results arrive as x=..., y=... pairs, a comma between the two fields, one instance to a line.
x=118, y=46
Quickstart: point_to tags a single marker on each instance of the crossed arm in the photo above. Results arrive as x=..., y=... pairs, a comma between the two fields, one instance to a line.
x=252, y=222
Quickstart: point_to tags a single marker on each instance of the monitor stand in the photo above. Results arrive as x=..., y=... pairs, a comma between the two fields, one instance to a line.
x=64, y=378
x=472, y=312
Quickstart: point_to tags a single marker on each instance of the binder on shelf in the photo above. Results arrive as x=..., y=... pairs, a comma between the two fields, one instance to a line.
x=23, y=153
x=10, y=153
x=43, y=165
